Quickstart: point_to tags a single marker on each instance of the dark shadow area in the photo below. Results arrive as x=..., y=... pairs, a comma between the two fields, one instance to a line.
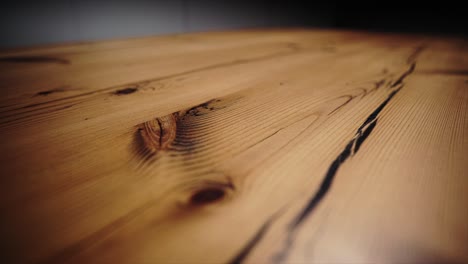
x=424, y=17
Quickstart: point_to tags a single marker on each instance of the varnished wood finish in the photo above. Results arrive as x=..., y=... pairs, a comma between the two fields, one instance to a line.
x=254, y=146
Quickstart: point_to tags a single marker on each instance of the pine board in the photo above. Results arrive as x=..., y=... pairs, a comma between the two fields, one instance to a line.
x=276, y=146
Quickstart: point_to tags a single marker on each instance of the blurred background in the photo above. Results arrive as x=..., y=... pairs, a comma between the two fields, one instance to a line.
x=28, y=22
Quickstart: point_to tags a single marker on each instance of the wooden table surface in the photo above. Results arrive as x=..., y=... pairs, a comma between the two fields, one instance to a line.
x=277, y=146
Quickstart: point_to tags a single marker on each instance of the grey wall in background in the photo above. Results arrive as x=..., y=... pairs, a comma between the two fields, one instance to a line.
x=33, y=22
x=27, y=22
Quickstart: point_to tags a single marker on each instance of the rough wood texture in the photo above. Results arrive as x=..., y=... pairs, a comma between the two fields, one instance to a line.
x=255, y=146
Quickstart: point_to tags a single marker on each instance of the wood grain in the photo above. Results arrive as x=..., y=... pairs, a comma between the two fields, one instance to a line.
x=277, y=146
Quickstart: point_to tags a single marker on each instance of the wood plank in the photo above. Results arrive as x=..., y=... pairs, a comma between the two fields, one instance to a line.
x=252, y=146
